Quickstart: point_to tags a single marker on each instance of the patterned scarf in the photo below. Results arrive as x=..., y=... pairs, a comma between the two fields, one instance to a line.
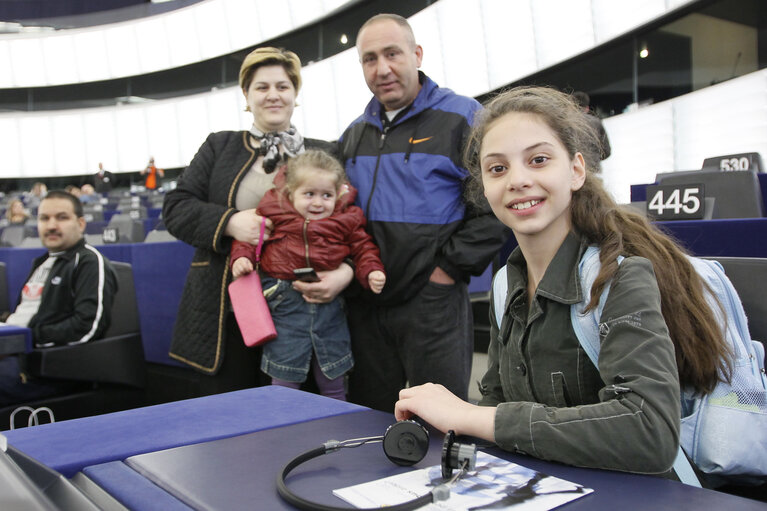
x=292, y=145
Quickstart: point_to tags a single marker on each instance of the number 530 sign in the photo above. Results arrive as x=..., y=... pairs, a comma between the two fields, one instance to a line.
x=676, y=202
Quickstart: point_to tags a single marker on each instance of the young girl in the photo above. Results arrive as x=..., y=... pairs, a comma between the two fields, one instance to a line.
x=541, y=394
x=315, y=225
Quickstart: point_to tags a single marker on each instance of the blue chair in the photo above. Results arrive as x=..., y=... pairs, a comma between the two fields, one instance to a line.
x=112, y=369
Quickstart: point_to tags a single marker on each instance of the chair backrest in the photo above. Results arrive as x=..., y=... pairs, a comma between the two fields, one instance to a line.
x=734, y=162
x=749, y=276
x=93, y=215
x=157, y=235
x=738, y=194
x=130, y=230
x=135, y=212
x=95, y=227
x=94, y=239
x=118, y=357
x=31, y=242
x=125, y=319
x=12, y=236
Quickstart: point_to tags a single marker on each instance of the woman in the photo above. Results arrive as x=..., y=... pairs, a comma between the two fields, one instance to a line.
x=16, y=214
x=215, y=202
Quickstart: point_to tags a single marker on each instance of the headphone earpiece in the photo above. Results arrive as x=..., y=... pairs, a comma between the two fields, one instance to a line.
x=406, y=443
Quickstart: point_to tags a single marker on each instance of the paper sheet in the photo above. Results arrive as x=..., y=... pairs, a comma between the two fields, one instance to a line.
x=494, y=484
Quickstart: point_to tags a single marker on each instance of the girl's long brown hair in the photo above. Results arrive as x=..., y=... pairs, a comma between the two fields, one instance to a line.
x=702, y=354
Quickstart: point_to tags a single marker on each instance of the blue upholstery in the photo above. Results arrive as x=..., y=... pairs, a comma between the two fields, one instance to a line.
x=741, y=237
x=70, y=446
x=131, y=489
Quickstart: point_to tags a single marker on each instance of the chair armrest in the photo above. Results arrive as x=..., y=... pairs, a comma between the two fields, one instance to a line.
x=118, y=359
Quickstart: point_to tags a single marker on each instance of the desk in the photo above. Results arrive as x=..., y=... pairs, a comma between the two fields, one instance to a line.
x=15, y=339
x=69, y=446
x=248, y=445
x=733, y=237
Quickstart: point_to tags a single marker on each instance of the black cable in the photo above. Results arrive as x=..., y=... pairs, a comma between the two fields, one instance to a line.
x=306, y=505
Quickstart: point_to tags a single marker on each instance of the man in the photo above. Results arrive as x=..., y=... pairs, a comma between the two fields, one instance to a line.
x=153, y=175
x=404, y=156
x=67, y=298
x=88, y=194
x=103, y=181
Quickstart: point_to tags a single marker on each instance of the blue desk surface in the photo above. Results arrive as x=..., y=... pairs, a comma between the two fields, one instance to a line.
x=236, y=472
x=70, y=446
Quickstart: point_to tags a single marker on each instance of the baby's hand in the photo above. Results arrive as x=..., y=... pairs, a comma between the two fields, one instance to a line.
x=376, y=279
x=242, y=266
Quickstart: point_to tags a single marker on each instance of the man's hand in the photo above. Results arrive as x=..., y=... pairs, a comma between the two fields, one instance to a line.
x=331, y=283
x=439, y=276
x=245, y=226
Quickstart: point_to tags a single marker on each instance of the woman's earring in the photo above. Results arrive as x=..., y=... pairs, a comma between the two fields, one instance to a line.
x=247, y=108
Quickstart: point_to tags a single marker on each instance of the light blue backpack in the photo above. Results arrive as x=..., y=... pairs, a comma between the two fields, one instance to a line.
x=724, y=433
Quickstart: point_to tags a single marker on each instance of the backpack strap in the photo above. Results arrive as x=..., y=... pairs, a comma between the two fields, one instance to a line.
x=586, y=327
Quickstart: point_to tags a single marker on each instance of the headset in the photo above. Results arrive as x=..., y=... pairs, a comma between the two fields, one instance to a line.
x=405, y=443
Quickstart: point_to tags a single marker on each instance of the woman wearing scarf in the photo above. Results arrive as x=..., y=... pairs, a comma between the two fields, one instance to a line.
x=215, y=202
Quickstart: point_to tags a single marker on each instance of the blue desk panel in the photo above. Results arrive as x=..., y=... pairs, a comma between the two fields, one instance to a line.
x=742, y=237
x=238, y=472
x=70, y=446
x=131, y=489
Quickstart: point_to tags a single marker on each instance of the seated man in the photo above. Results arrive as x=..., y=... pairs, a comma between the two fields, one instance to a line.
x=88, y=194
x=67, y=298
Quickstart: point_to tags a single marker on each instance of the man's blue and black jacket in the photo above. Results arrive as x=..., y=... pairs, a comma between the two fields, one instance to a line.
x=411, y=182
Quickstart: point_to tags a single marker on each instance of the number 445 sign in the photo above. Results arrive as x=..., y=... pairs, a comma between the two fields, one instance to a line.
x=676, y=202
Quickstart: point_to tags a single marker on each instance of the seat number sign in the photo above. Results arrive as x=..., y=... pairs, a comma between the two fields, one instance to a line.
x=742, y=163
x=676, y=202
x=110, y=235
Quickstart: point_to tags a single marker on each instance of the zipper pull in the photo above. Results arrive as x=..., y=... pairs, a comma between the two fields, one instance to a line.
x=383, y=138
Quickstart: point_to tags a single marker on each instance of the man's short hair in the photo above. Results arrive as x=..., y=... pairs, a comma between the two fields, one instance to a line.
x=581, y=98
x=396, y=18
x=62, y=194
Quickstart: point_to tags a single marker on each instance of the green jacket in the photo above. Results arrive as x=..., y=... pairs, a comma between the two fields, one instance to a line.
x=552, y=403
